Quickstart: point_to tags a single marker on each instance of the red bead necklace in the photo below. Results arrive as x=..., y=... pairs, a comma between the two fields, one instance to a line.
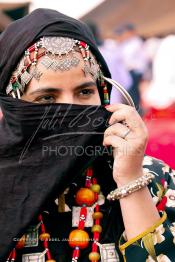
x=78, y=238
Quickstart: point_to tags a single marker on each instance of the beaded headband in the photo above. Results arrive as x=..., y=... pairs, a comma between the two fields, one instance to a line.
x=55, y=53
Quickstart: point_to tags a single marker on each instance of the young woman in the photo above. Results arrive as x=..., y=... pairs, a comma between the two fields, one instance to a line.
x=65, y=196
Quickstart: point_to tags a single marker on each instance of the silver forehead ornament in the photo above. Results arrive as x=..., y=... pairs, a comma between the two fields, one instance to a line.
x=58, y=47
x=59, y=55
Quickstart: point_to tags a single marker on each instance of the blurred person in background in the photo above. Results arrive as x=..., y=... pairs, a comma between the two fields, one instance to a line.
x=161, y=91
x=111, y=53
x=159, y=101
x=150, y=48
x=131, y=50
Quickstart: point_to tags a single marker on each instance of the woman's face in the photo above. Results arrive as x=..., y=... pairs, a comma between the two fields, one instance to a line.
x=71, y=86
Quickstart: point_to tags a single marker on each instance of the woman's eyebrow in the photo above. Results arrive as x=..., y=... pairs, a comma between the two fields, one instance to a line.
x=44, y=90
x=47, y=90
x=85, y=84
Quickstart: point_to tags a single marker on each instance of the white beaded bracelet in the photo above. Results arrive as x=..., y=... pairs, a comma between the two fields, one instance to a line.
x=133, y=186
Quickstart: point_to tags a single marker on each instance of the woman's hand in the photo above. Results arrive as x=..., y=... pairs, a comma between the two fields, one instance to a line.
x=128, y=136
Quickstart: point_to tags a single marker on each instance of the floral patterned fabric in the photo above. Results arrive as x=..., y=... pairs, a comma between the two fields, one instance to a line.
x=157, y=243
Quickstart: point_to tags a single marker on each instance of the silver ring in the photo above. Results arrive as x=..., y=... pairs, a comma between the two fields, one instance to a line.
x=126, y=133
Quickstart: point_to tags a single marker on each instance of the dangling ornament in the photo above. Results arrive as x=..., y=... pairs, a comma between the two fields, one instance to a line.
x=85, y=196
x=78, y=238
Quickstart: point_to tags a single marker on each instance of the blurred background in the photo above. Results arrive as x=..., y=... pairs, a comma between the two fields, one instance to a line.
x=137, y=39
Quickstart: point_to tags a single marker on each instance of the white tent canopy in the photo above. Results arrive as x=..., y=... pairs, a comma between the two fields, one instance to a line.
x=74, y=8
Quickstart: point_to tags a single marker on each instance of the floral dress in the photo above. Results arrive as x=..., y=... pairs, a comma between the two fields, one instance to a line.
x=157, y=243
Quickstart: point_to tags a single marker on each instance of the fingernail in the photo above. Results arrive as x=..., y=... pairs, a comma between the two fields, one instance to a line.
x=106, y=106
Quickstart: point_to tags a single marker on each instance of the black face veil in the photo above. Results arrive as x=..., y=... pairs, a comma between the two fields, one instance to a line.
x=35, y=140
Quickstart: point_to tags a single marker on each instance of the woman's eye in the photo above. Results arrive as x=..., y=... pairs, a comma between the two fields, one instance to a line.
x=86, y=92
x=45, y=99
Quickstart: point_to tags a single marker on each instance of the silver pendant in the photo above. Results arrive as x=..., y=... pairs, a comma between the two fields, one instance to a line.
x=76, y=216
x=25, y=78
x=108, y=253
x=75, y=61
x=58, y=45
x=36, y=74
x=92, y=69
x=9, y=89
x=86, y=70
x=66, y=64
x=46, y=62
x=31, y=237
x=33, y=257
x=63, y=64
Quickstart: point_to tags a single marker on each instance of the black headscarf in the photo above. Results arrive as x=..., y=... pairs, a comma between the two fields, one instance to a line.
x=26, y=31
x=31, y=172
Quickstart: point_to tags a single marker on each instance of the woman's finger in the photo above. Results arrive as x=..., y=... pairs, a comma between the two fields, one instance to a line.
x=114, y=141
x=127, y=118
x=115, y=107
x=119, y=130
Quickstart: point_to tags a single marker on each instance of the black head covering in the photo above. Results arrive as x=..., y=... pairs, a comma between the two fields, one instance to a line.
x=30, y=173
x=26, y=31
